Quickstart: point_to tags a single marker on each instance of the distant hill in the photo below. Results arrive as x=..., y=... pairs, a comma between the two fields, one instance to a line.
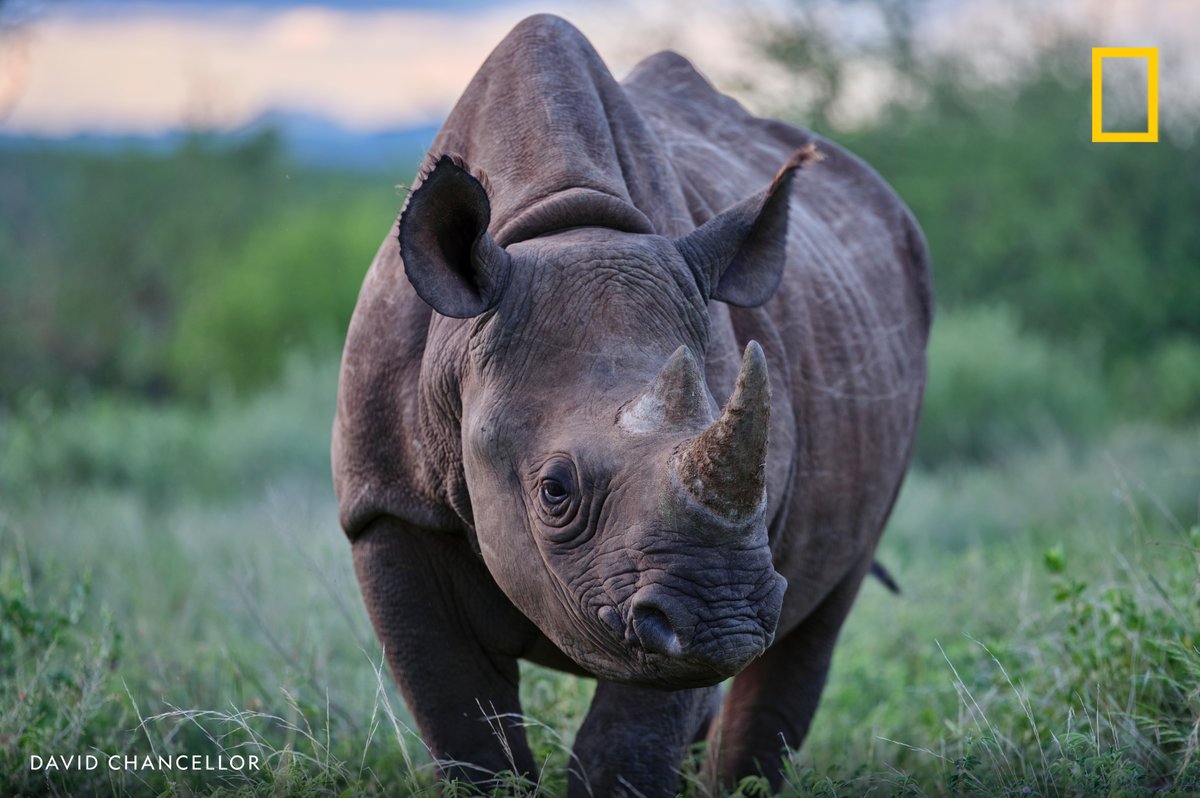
x=317, y=141
x=309, y=140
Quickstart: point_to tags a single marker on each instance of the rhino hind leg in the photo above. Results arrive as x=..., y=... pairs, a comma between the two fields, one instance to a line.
x=771, y=703
x=435, y=609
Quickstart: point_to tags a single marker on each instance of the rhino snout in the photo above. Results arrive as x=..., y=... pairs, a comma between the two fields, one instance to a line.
x=678, y=642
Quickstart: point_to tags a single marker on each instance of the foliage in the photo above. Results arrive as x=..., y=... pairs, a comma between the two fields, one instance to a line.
x=165, y=450
x=55, y=681
x=994, y=387
x=1093, y=247
x=162, y=273
x=94, y=246
x=1166, y=384
x=1091, y=243
x=1056, y=594
x=290, y=285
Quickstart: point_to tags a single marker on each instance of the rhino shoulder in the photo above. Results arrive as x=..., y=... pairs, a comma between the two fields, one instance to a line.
x=385, y=456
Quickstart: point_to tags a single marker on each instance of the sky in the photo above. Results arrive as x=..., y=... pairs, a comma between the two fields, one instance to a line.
x=139, y=68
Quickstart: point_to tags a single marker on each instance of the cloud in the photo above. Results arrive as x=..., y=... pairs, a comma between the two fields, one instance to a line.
x=140, y=68
x=163, y=67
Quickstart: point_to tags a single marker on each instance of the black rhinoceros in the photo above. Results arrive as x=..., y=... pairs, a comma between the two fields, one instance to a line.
x=629, y=392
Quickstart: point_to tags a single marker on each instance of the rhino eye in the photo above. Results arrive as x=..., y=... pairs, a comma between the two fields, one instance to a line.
x=554, y=493
x=557, y=496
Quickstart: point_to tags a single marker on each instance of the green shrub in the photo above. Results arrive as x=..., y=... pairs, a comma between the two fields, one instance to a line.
x=94, y=248
x=291, y=284
x=1092, y=242
x=148, y=273
x=55, y=691
x=994, y=387
x=166, y=450
x=1166, y=384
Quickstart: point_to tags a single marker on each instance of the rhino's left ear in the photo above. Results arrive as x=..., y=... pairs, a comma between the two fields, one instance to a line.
x=450, y=258
x=738, y=255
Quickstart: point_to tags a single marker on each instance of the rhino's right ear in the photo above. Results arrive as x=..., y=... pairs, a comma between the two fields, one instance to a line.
x=450, y=258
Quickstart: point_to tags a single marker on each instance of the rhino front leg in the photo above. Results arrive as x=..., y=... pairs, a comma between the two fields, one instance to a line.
x=771, y=703
x=633, y=740
x=451, y=638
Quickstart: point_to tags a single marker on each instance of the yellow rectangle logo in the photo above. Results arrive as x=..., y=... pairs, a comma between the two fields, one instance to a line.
x=1151, y=56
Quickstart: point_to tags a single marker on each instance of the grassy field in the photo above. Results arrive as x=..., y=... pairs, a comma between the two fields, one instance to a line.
x=174, y=581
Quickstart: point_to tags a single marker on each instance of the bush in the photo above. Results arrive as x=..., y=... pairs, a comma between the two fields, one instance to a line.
x=292, y=284
x=107, y=258
x=1165, y=385
x=161, y=451
x=55, y=693
x=994, y=387
x=94, y=248
x=1092, y=242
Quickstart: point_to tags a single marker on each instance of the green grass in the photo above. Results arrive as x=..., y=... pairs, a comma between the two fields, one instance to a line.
x=1048, y=636
x=174, y=581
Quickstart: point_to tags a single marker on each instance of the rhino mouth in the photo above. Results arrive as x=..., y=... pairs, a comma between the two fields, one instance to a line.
x=700, y=669
x=653, y=639
x=681, y=668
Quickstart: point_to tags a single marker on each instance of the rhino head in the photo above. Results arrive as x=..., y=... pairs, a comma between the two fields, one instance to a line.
x=614, y=502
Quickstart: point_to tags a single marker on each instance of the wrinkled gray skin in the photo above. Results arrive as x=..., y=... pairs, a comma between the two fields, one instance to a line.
x=629, y=391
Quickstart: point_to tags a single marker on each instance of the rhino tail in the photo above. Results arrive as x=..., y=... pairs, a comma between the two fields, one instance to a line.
x=881, y=573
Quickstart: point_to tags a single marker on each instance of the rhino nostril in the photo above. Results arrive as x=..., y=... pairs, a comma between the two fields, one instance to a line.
x=654, y=630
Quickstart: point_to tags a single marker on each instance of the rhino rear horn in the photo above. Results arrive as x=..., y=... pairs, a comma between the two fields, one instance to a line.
x=451, y=260
x=738, y=255
x=724, y=468
x=677, y=397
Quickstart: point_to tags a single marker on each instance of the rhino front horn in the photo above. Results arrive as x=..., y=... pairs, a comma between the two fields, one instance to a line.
x=724, y=468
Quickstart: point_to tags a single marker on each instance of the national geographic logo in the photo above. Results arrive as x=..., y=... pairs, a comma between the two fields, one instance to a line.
x=1099, y=134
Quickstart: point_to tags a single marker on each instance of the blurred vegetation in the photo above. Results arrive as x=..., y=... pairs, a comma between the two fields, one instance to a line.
x=175, y=275
x=1093, y=245
x=1067, y=272
x=995, y=388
